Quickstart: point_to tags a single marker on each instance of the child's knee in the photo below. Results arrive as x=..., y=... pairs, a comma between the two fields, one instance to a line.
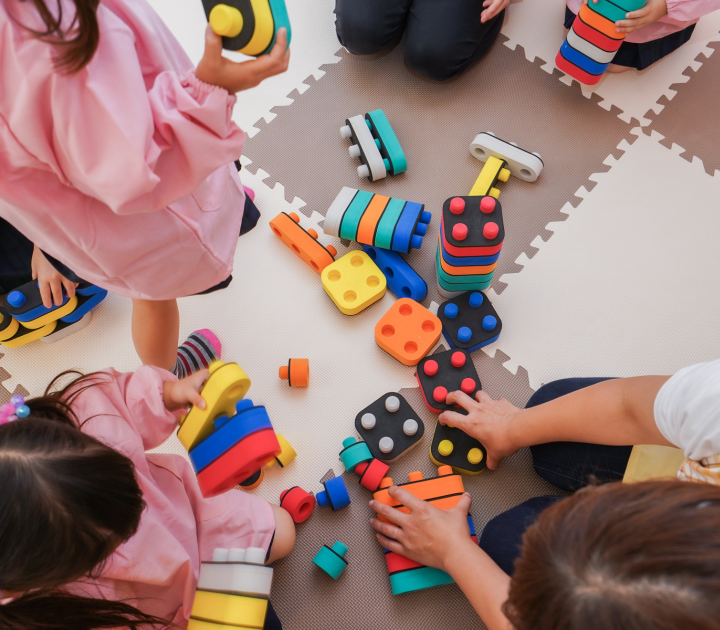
x=284, y=539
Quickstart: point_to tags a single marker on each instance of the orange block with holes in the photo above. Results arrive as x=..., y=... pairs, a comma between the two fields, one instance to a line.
x=370, y=218
x=408, y=331
x=303, y=242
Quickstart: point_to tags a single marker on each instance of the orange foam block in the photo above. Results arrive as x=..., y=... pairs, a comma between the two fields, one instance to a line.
x=303, y=242
x=296, y=372
x=408, y=331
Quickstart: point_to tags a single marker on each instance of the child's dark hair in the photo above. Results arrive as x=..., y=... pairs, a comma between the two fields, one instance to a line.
x=78, y=43
x=642, y=556
x=67, y=502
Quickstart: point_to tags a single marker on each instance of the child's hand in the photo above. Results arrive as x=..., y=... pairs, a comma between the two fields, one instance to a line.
x=50, y=280
x=185, y=392
x=653, y=11
x=235, y=77
x=492, y=8
x=427, y=535
x=488, y=421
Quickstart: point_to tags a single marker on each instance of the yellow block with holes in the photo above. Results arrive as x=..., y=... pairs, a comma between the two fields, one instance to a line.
x=29, y=335
x=53, y=315
x=492, y=171
x=353, y=282
x=234, y=610
x=12, y=328
x=226, y=385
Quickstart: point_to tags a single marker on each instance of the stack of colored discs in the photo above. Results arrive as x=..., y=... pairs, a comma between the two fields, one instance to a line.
x=593, y=40
x=471, y=237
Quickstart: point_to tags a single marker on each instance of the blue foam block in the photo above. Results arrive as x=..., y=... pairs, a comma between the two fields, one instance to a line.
x=402, y=279
x=581, y=60
x=405, y=228
x=335, y=494
x=473, y=348
x=86, y=303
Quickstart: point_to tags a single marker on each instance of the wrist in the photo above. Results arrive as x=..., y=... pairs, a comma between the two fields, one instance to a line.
x=457, y=555
x=514, y=433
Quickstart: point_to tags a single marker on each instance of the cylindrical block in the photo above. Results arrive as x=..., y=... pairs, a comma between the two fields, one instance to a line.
x=371, y=474
x=296, y=372
x=298, y=503
x=354, y=453
x=332, y=560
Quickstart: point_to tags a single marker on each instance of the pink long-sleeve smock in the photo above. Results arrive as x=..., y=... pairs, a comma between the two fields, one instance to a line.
x=680, y=15
x=157, y=569
x=124, y=170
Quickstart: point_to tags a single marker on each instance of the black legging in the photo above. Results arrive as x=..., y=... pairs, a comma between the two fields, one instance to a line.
x=442, y=37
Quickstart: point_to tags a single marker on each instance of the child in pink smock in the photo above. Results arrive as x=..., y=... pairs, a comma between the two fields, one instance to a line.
x=653, y=32
x=94, y=529
x=117, y=155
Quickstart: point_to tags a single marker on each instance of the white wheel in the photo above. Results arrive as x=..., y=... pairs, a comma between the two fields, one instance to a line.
x=354, y=151
x=363, y=171
x=345, y=131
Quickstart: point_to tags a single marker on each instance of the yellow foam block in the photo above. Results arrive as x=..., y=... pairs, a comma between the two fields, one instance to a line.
x=227, y=384
x=197, y=624
x=264, y=28
x=286, y=455
x=353, y=282
x=12, y=328
x=26, y=335
x=650, y=461
x=491, y=172
x=54, y=315
x=234, y=610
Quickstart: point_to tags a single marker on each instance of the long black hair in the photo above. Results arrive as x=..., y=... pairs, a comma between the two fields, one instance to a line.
x=67, y=502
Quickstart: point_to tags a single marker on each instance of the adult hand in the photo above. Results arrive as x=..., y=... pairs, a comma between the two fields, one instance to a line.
x=237, y=76
x=427, y=535
x=653, y=11
x=492, y=8
x=487, y=420
x=50, y=280
x=185, y=392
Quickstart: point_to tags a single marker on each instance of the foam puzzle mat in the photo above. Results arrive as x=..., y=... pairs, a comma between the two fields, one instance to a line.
x=590, y=281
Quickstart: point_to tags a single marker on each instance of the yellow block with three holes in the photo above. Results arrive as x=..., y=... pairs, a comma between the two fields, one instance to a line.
x=53, y=315
x=226, y=385
x=234, y=610
x=353, y=282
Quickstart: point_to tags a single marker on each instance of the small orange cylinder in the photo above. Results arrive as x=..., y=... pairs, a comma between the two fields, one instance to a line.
x=296, y=372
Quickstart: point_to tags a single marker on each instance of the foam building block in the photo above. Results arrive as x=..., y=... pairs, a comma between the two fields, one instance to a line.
x=296, y=372
x=455, y=448
x=335, y=494
x=64, y=329
x=386, y=141
x=303, y=242
x=370, y=219
x=232, y=610
x=446, y=372
x=237, y=572
x=443, y=491
x=402, y=279
x=519, y=162
x=353, y=282
x=9, y=326
x=238, y=447
x=354, y=453
x=592, y=41
x=25, y=304
x=248, y=26
x=226, y=385
x=363, y=146
x=390, y=427
x=408, y=331
x=298, y=503
x=332, y=559
x=469, y=321
x=27, y=335
x=253, y=481
x=89, y=296
x=372, y=473
x=285, y=456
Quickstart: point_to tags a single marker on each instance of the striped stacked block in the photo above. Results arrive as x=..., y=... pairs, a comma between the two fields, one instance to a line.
x=593, y=40
x=370, y=219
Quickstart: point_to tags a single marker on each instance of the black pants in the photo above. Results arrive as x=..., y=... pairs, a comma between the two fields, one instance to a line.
x=567, y=465
x=442, y=37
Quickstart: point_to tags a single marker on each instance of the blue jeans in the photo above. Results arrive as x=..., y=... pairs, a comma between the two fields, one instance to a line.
x=566, y=465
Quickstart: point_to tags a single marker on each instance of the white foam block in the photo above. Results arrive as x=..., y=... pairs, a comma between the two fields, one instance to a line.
x=236, y=579
x=368, y=147
x=68, y=330
x=521, y=163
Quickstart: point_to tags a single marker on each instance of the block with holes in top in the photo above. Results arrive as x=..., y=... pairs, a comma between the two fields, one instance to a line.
x=455, y=448
x=401, y=278
x=408, y=331
x=353, y=282
x=390, y=427
x=303, y=242
x=469, y=321
x=445, y=372
x=472, y=226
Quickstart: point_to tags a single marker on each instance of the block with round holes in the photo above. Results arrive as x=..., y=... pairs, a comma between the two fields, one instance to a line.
x=303, y=242
x=332, y=559
x=521, y=163
x=364, y=147
x=285, y=456
x=408, y=331
x=476, y=229
x=298, y=503
x=455, y=448
x=445, y=372
x=372, y=473
x=402, y=279
x=354, y=453
x=335, y=494
x=469, y=321
x=353, y=282
x=296, y=372
x=389, y=426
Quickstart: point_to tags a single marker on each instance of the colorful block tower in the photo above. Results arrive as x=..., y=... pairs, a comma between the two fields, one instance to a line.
x=593, y=40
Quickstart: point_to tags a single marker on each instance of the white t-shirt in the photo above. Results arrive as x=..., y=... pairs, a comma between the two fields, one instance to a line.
x=687, y=410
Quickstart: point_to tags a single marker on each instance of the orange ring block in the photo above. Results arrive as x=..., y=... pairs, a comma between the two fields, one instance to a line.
x=465, y=271
x=304, y=243
x=599, y=22
x=296, y=372
x=370, y=218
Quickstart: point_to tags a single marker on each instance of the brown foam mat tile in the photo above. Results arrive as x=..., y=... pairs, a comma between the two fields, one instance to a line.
x=692, y=119
x=6, y=394
x=305, y=597
x=435, y=124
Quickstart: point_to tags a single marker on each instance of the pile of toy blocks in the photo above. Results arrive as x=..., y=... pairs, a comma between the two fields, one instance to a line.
x=25, y=319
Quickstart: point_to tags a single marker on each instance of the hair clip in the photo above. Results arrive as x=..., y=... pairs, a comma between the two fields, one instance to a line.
x=14, y=409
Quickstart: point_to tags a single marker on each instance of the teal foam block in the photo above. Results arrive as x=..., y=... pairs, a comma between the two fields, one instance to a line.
x=388, y=221
x=389, y=145
x=615, y=10
x=418, y=580
x=281, y=19
x=354, y=213
x=354, y=453
x=332, y=560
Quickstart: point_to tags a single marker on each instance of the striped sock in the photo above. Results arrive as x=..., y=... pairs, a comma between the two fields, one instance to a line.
x=197, y=352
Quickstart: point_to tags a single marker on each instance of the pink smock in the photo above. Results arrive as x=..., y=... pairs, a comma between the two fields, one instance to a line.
x=122, y=171
x=680, y=15
x=157, y=569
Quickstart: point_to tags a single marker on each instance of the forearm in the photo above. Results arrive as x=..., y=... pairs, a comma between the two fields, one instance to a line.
x=484, y=583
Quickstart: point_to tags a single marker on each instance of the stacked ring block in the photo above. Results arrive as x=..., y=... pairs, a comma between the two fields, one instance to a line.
x=375, y=143
x=248, y=26
x=443, y=491
x=593, y=40
x=233, y=591
x=25, y=319
x=303, y=242
x=370, y=219
x=470, y=241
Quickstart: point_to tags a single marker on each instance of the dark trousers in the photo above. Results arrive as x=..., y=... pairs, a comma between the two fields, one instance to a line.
x=567, y=465
x=442, y=37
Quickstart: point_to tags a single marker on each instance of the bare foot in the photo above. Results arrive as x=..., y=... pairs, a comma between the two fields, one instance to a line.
x=615, y=69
